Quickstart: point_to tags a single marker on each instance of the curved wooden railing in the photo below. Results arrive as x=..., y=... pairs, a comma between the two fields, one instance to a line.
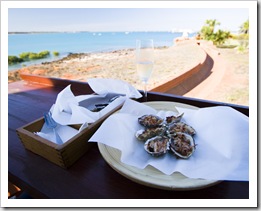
x=188, y=80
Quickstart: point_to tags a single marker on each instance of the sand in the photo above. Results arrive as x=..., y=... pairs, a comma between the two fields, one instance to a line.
x=232, y=86
x=229, y=78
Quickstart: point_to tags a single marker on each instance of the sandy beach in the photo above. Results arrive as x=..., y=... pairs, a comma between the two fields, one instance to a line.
x=170, y=62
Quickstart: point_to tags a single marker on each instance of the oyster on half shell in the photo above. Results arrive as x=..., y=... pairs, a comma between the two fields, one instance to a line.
x=181, y=127
x=150, y=121
x=144, y=135
x=182, y=145
x=157, y=145
x=173, y=119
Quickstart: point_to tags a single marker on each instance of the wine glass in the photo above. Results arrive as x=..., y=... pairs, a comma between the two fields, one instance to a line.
x=144, y=61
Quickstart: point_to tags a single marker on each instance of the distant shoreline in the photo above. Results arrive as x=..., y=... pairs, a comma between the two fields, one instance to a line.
x=81, y=41
x=29, y=32
x=77, y=42
x=46, y=32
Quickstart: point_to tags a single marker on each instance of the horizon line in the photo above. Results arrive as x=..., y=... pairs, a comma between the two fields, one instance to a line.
x=101, y=31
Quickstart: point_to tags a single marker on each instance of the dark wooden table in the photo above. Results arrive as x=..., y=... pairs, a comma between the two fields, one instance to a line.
x=90, y=177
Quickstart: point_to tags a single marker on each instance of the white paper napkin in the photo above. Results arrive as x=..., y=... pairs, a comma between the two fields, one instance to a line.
x=106, y=85
x=70, y=109
x=64, y=131
x=222, y=151
x=67, y=109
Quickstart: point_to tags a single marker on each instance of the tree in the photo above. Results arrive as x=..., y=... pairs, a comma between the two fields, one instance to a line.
x=207, y=32
x=243, y=36
x=212, y=24
x=220, y=37
x=14, y=60
x=244, y=28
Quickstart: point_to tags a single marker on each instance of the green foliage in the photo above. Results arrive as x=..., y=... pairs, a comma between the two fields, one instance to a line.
x=31, y=55
x=56, y=53
x=44, y=54
x=14, y=60
x=34, y=56
x=207, y=32
x=244, y=28
x=242, y=47
x=220, y=37
x=227, y=46
x=24, y=55
x=241, y=36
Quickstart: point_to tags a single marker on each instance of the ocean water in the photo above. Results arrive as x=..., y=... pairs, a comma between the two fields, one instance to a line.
x=80, y=42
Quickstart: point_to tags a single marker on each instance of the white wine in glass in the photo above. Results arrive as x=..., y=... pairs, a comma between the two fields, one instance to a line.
x=144, y=61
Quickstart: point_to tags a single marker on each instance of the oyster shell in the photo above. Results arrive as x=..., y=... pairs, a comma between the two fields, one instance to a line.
x=174, y=119
x=148, y=133
x=182, y=145
x=157, y=145
x=181, y=127
x=150, y=121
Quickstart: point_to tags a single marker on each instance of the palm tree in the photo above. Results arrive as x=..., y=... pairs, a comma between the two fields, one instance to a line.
x=244, y=28
x=207, y=31
x=220, y=37
x=243, y=39
x=212, y=24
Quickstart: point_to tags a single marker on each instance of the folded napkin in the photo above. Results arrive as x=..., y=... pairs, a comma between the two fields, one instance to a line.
x=222, y=151
x=70, y=109
x=105, y=85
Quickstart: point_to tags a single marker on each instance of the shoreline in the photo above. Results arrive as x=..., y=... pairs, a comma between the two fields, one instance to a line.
x=170, y=62
x=65, y=56
x=118, y=64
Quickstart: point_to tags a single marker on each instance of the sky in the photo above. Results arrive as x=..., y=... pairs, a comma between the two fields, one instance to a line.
x=122, y=19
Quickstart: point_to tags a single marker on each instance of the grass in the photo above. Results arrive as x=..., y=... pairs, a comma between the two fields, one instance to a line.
x=226, y=46
x=237, y=95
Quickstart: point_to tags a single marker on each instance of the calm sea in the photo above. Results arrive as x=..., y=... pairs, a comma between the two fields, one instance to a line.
x=80, y=42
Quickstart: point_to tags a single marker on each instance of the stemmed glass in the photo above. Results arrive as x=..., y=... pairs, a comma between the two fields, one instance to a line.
x=144, y=61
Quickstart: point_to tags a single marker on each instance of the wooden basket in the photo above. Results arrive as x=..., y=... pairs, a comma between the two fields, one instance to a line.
x=65, y=154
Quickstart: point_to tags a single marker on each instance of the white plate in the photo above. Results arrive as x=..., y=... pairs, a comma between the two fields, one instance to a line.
x=150, y=176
